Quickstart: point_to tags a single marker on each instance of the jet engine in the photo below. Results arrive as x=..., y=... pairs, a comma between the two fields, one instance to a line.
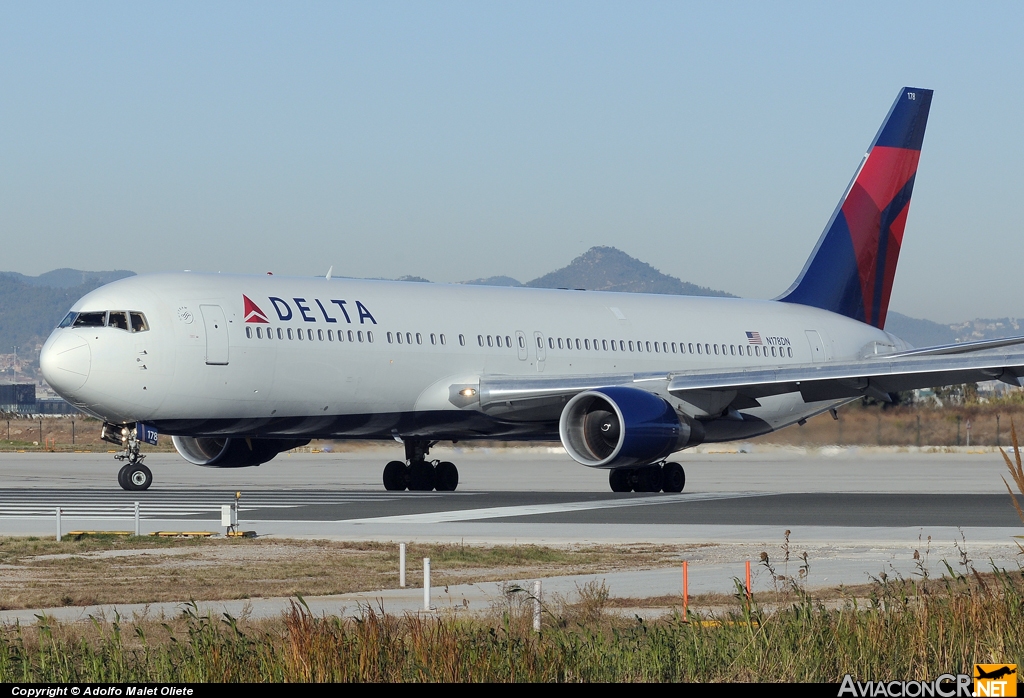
x=621, y=427
x=221, y=452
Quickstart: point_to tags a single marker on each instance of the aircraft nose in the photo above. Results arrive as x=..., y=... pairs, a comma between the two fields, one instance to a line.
x=65, y=361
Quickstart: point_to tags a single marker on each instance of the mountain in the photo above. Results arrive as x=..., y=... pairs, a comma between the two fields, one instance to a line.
x=920, y=333
x=69, y=278
x=610, y=269
x=984, y=328
x=494, y=281
x=31, y=306
x=925, y=333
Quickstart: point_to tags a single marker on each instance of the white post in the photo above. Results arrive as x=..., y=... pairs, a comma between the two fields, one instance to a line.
x=401, y=566
x=138, y=530
x=58, y=524
x=426, y=584
x=536, y=606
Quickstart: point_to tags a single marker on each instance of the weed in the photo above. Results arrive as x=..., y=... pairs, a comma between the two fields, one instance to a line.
x=904, y=634
x=1016, y=469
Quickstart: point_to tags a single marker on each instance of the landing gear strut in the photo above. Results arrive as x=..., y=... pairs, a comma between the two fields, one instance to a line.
x=133, y=476
x=420, y=475
x=667, y=477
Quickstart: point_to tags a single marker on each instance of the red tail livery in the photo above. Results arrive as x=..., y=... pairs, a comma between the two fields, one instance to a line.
x=851, y=270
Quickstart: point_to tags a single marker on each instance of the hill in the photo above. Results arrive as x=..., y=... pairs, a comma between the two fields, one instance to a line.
x=494, y=281
x=31, y=306
x=920, y=333
x=69, y=278
x=610, y=269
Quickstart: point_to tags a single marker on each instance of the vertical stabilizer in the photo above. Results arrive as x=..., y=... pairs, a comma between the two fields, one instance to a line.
x=852, y=268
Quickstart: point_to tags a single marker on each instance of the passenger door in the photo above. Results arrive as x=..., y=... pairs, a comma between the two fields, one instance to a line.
x=217, y=342
x=817, y=347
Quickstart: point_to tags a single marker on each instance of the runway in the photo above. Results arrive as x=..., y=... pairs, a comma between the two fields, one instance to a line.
x=368, y=507
x=856, y=512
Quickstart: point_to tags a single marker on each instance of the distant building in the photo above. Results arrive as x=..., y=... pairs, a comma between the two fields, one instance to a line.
x=20, y=398
x=17, y=395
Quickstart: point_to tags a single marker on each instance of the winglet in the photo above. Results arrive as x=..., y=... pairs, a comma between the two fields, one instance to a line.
x=852, y=268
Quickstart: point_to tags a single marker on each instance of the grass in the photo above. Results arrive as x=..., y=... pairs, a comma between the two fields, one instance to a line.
x=904, y=425
x=41, y=573
x=905, y=630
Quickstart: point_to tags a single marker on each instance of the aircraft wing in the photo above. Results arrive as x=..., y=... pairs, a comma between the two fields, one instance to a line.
x=874, y=377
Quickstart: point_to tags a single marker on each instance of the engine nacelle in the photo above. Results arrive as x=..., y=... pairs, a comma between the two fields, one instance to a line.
x=619, y=427
x=223, y=452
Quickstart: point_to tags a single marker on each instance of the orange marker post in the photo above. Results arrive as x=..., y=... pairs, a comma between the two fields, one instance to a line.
x=686, y=593
x=748, y=580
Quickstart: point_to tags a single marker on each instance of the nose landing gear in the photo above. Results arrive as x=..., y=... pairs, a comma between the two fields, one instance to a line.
x=133, y=475
x=420, y=475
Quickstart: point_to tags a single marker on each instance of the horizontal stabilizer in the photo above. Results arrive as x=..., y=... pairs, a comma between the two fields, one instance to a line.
x=964, y=347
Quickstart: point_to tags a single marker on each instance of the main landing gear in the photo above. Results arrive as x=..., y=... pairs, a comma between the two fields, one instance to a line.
x=420, y=475
x=133, y=476
x=667, y=477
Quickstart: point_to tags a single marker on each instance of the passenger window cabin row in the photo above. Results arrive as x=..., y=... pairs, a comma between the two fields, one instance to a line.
x=307, y=335
x=506, y=341
x=623, y=345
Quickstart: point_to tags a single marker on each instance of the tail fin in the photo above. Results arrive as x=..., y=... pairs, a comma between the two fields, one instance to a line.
x=852, y=268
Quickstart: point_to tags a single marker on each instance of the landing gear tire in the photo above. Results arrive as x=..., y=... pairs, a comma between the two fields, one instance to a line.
x=421, y=476
x=673, y=477
x=446, y=477
x=648, y=479
x=396, y=476
x=135, y=477
x=619, y=480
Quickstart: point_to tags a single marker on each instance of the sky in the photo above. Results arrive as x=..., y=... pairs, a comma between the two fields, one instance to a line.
x=461, y=140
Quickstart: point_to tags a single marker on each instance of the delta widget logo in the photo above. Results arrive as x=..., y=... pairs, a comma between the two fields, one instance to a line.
x=253, y=313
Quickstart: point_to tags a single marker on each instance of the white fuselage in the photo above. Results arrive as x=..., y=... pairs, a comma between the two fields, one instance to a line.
x=204, y=366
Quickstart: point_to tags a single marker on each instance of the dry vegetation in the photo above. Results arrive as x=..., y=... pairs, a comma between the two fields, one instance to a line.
x=906, y=629
x=870, y=425
x=874, y=425
x=36, y=573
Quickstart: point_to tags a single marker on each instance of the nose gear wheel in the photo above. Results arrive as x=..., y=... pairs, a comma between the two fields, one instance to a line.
x=133, y=475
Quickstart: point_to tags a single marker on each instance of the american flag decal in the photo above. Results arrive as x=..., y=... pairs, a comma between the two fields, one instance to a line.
x=754, y=338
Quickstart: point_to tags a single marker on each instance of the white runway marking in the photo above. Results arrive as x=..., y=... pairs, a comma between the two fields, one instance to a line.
x=531, y=509
x=92, y=505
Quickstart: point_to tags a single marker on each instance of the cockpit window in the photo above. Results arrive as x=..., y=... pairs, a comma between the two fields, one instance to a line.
x=90, y=320
x=129, y=321
x=118, y=319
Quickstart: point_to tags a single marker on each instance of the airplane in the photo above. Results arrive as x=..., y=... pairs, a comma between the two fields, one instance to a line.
x=999, y=673
x=239, y=368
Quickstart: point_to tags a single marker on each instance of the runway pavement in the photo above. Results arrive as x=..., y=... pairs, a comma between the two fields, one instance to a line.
x=855, y=511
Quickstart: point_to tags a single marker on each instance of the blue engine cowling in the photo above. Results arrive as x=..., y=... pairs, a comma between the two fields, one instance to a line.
x=221, y=452
x=620, y=427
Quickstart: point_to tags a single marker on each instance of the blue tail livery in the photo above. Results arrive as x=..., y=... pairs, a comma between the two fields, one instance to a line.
x=852, y=268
